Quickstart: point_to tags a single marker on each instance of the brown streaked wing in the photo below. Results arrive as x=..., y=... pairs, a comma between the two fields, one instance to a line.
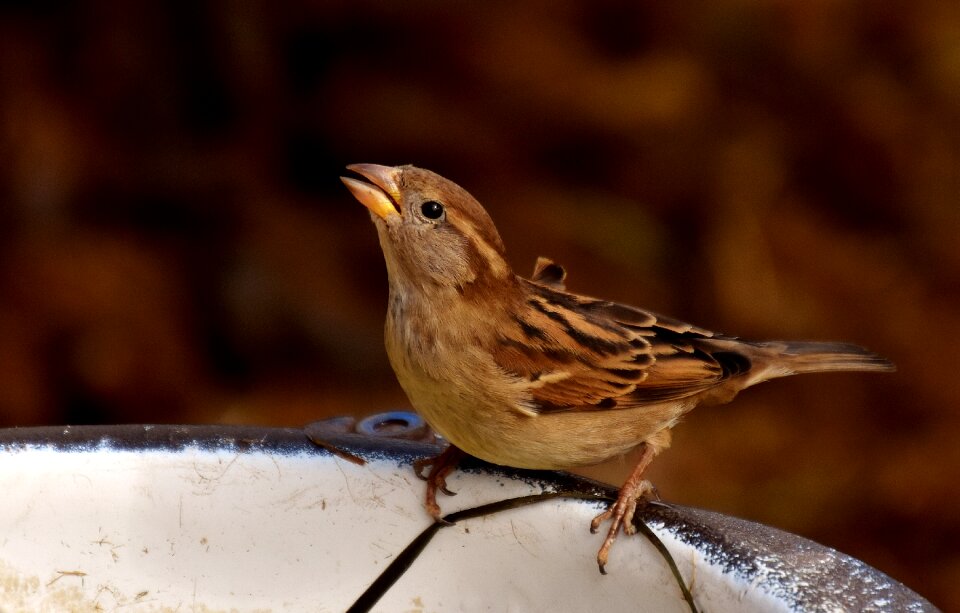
x=584, y=354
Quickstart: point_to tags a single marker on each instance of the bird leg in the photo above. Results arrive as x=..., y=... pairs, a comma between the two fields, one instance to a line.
x=440, y=467
x=621, y=512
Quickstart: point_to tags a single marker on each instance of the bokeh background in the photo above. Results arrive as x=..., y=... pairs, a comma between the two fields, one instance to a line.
x=175, y=245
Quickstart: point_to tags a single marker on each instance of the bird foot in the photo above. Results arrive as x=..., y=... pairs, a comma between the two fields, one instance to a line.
x=440, y=466
x=621, y=512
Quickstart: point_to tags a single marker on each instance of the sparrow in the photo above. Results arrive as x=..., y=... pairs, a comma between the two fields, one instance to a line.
x=520, y=372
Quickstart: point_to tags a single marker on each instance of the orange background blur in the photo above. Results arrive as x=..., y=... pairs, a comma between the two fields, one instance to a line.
x=175, y=245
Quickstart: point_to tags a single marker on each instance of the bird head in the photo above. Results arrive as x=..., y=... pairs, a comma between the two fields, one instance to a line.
x=432, y=232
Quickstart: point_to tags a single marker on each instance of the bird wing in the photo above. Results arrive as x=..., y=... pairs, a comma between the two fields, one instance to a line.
x=580, y=353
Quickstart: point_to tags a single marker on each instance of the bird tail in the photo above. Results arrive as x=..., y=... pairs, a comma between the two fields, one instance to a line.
x=757, y=362
x=791, y=358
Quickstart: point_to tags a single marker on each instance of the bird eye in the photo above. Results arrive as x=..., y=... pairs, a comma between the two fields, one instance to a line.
x=431, y=209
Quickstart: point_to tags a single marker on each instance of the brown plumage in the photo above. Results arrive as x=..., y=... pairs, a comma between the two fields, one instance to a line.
x=521, y=372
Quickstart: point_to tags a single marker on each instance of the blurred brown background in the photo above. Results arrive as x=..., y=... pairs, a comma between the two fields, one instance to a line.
x=175, y=245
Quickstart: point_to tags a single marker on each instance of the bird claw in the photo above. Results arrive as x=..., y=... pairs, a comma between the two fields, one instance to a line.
x=599, y=519
x=420, y=464
x=442, y=486
x=437, y=477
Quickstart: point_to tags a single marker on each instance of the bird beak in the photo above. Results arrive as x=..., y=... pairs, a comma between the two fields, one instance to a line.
x=383, y=197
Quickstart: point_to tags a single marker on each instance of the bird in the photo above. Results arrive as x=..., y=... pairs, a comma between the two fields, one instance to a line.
x=520, y=372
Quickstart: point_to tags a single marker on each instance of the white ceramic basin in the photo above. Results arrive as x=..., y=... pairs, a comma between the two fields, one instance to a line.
x=219, y=518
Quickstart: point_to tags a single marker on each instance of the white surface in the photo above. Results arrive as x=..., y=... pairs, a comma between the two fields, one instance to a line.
x=200, y=530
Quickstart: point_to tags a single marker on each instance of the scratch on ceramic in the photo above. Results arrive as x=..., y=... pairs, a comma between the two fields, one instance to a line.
x=346, y=480
x=513, y=528
x=217, y=472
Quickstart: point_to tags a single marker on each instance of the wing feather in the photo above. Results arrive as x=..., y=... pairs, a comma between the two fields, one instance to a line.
x=579, y=353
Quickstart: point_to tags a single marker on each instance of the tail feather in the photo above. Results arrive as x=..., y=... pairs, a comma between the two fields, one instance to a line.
x=757, y=362
x=790, y=358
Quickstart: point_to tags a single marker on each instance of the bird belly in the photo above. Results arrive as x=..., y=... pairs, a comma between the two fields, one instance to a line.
x=565, y=440
x=486, y=425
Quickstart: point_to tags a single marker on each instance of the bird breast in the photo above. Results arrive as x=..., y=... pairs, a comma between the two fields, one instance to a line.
x=448, y=376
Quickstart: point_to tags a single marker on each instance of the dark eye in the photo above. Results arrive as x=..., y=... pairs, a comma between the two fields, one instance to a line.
x=431, y=209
